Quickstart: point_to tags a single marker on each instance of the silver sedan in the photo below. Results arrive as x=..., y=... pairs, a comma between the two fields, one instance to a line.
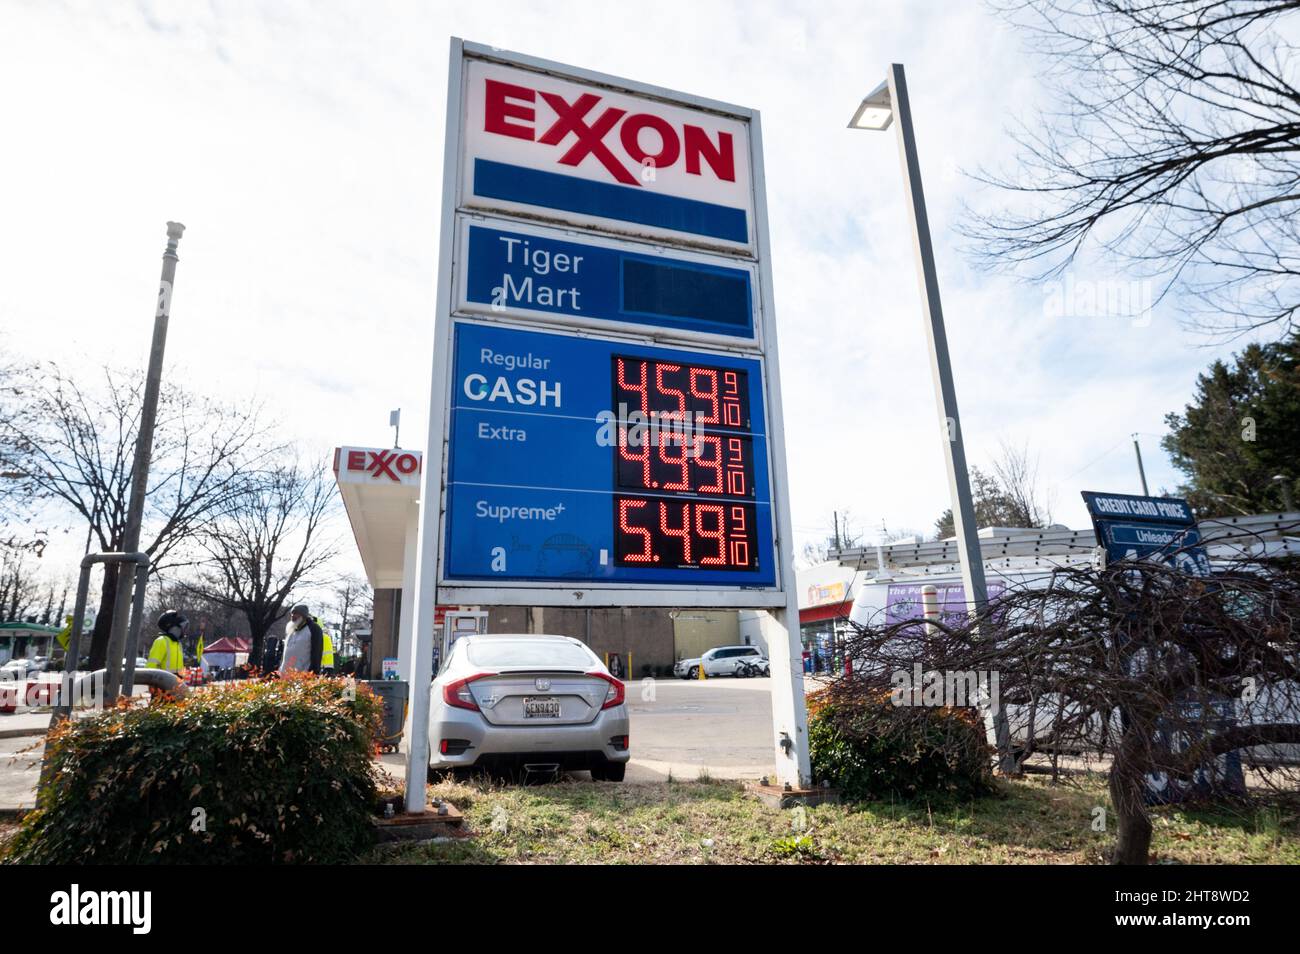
x=542, y=704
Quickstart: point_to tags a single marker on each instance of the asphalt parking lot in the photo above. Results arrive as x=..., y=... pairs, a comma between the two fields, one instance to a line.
x=722, y=726
x=684, y=728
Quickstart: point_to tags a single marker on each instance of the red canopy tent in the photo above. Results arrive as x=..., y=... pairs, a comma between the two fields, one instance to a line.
x=227, y=652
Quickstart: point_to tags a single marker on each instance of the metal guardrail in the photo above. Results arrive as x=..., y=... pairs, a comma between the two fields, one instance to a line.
x=120, y=668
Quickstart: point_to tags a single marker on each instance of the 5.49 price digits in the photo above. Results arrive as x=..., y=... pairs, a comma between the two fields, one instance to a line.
x=670, y=533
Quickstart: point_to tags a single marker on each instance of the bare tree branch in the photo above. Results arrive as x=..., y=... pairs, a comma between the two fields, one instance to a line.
x=71, y=450
x=1174, y=147
x=268, y=544
x=1124, y=661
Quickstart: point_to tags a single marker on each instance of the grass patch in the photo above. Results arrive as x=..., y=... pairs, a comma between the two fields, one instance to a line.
x=1029, y=821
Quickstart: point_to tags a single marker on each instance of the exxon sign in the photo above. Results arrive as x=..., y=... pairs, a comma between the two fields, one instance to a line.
x=589, y=155
x=377, y=465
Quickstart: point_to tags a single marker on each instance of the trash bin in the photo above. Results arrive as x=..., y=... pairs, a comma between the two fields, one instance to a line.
x=395, y=694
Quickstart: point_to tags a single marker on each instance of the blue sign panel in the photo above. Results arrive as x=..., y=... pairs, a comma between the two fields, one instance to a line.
x=1141, y=528
x=499, y=180
x=580, y=460
x=513, y=270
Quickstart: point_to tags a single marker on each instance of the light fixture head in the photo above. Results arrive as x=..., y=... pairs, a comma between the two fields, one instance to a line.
x=876, y=111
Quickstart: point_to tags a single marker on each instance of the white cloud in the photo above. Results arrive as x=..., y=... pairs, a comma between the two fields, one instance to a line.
x=301, y=144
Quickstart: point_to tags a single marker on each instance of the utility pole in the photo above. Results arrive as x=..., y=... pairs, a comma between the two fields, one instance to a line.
x=117, y=640
x=395, y=422
x=1137, y=449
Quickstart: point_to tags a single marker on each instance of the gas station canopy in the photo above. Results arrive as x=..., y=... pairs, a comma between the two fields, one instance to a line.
x=380, y=488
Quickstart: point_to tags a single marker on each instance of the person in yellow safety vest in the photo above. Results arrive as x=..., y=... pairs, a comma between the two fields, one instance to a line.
x=166, y=652
x=327, y=652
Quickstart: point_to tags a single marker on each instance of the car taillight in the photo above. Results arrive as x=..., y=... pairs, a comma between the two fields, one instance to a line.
x=458, y=694
x=614, y=695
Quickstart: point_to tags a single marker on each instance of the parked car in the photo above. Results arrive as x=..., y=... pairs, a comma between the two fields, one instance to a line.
x=719, y=661
x=537, y=703
x=16, y=669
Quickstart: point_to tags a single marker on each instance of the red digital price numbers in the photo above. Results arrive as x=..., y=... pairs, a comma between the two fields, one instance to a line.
x=690, y=463
x=687, y=441
x=672, y=533
x=690, y=444
x=693, y=394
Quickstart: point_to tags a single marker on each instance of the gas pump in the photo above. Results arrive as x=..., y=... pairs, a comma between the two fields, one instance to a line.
x=458, y=623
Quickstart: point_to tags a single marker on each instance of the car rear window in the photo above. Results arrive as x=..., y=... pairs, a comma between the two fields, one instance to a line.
x=542, y=654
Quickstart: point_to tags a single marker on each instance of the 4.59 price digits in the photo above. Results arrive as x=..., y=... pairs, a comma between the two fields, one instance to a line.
x=692, y=394
x=671, y=533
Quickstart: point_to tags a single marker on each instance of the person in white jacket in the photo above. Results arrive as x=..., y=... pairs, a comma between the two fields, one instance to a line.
x=304, y=642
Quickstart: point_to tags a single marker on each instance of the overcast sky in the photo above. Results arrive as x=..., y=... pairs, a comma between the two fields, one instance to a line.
x=301, y=145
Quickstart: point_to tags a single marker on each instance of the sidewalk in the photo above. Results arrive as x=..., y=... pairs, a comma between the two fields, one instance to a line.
x=29, y=721
x=20, y=771
x=19, y=724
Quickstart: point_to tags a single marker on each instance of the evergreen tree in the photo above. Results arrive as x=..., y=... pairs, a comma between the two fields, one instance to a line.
x=1241, y=431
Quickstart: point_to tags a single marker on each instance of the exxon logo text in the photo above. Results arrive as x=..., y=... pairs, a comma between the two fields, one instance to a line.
x=607, y=133
x=392, y=464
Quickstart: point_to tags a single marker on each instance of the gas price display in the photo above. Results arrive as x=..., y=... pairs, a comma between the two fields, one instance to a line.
x=606, y=422
x=581, y=459
x=682, y=437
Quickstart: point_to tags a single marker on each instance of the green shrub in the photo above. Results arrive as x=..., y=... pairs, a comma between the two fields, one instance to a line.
x=240, y=772
x=869, y=748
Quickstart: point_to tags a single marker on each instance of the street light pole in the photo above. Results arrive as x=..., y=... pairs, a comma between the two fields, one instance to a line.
x=117, y=641
x=887, y=104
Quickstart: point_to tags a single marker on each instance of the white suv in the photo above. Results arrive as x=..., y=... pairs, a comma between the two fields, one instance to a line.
x=719, y=661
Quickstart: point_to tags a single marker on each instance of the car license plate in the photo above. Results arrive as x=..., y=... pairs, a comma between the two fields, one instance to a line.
x=541, y=707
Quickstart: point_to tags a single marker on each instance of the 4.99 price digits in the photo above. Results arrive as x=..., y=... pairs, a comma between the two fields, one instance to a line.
x=685, y=462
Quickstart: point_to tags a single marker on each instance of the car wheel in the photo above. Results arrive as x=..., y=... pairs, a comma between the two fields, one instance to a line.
x=693, y=673
x=608, y=771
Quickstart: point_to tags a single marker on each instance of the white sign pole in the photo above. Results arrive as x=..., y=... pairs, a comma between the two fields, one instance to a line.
x=517, y=122
x=426, y=571
x=785, y=649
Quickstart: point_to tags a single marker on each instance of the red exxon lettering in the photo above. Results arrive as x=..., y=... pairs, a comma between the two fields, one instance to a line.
x=509, y=110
